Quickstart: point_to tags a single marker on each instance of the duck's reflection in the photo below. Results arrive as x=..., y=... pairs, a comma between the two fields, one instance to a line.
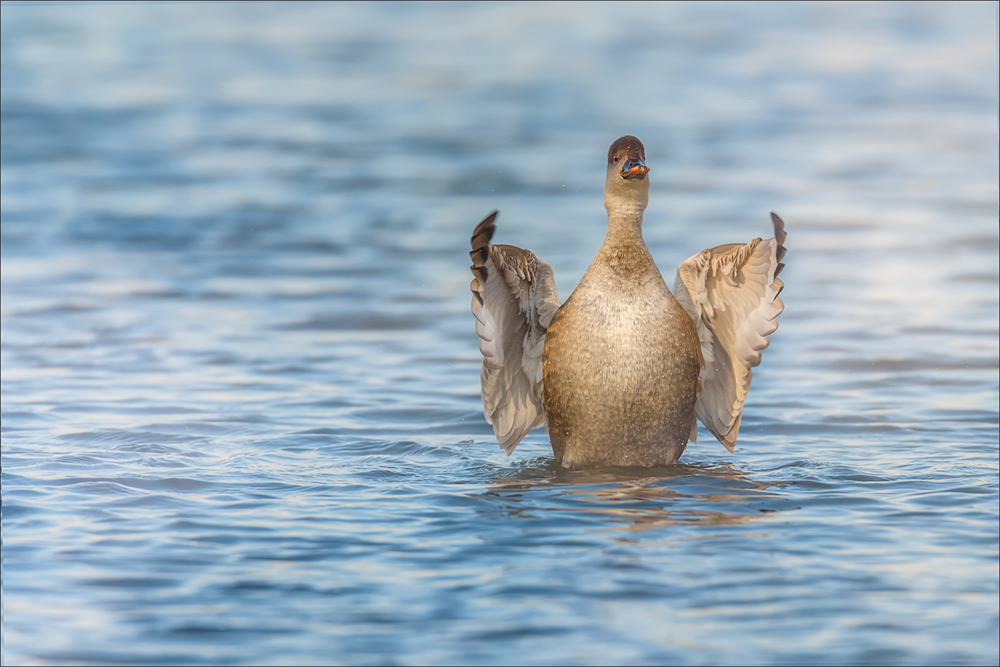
x=694, y=493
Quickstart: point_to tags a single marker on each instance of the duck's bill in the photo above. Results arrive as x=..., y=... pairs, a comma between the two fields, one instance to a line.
x=634, y=168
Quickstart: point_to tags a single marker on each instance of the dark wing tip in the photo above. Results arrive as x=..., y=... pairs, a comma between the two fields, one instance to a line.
x=779, y=236
x=484, y=231
x=481, y=246
x=779, y=228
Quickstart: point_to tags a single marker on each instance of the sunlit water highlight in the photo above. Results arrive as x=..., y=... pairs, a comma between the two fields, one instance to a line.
x=241, y=420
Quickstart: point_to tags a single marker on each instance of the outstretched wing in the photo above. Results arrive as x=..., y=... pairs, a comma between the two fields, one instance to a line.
x=731, y=293
x=513, y=299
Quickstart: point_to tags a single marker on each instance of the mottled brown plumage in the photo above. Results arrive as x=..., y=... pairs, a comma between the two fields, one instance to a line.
x=621, y=364
x=620, y=372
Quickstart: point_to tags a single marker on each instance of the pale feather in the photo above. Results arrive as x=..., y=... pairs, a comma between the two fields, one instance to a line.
x=513, y=298
x=731, y=293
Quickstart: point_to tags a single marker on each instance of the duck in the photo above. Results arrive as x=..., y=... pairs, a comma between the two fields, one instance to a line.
x=621, y=373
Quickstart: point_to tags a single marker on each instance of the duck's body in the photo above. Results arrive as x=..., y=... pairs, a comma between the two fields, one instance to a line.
x=617, y=373
x=621, y=364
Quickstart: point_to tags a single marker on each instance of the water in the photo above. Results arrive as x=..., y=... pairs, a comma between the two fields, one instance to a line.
x=241, y=420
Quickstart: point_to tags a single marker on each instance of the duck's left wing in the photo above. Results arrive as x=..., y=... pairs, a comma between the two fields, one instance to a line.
x=731, y=293
x=513, y=298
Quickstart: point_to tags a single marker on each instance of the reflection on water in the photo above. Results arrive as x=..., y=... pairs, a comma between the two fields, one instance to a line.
x=240, y=380
x=711, y=494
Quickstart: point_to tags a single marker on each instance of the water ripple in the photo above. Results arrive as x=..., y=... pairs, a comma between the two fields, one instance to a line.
x=240, y=402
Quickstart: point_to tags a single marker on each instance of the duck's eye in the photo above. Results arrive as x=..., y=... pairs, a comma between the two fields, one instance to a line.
x=616, y=158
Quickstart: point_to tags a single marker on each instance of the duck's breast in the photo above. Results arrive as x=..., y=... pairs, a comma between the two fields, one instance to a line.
x=620, y=373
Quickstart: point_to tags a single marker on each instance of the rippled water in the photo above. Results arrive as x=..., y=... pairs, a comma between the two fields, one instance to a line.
x=241, y=419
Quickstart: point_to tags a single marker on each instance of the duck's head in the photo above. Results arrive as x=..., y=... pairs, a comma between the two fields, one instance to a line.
x=626, y=183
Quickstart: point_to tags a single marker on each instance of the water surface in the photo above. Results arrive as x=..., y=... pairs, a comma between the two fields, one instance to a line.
x=241, y=416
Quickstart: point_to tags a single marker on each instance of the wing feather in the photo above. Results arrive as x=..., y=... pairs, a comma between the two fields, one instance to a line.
x=731, y=292
x=514, y=299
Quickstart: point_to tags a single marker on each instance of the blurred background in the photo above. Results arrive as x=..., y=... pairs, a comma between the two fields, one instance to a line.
x=240, y=379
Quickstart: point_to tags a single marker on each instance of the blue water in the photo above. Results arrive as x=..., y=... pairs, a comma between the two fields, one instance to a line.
x=240, y=379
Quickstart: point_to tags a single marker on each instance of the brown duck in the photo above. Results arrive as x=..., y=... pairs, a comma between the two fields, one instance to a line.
x=620, y=373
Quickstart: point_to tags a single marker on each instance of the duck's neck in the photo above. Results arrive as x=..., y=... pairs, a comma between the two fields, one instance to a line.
x=623, y=259
x=624, y=223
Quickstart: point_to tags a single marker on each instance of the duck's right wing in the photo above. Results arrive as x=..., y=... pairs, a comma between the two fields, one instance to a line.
x=731, y=293
x=513, y=298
